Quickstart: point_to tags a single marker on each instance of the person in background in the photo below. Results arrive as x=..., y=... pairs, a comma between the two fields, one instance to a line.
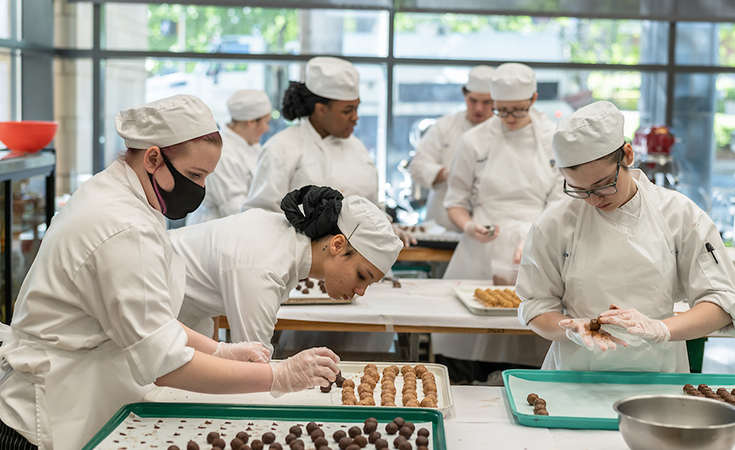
x=503, y=175
x=619, y=241
x=434, y=154
x=227, y=187
x=320, y=149
x=94, y=325
x=234, y=269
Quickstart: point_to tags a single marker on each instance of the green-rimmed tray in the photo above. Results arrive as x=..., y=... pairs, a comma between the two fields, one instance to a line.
x=320, y=414
x=584, y=399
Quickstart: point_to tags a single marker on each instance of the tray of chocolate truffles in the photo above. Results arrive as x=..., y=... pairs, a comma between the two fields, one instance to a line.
x=488, y=301
x=311, y=291
x=193, y=426
x=579, y=399
x=396, y=385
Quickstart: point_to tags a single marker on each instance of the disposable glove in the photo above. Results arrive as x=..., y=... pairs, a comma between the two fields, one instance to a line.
x=479, y=232
x=404, y=235
x=637, y=324
x=243, y=351
x=578, y=331
x=304, y=370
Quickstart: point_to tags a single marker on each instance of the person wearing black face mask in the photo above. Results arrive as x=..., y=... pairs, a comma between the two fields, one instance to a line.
x=97, y=310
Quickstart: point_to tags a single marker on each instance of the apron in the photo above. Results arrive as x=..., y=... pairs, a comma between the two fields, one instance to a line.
x=513, y=203
x=435, y=209
x=639, y=266
x=77, y=392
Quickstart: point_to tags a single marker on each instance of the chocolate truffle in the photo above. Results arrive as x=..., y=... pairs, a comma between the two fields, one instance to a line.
x=320, y=441
x=422, y=447
x=539, y=401
x=361, y=441
x=348, y=384
x=275, y=446
x=405, y=445
x=374, y=436
x=290, y=437
x=397, y=441
x=371, y=419
x=410, y=425
x=391, y=428
x=296, y=430
x=243, y=436
x=381, y=444
x=192, y=446
x=370, y=427
x=531, y=398
x=688, y=386
x=339, y=380
x=269, y=438
x=399, y=421
x=219, y=442
x=311, y=426
x=316, y=434
x=354, y=431
x=423, y=432
x=326, y=388
x=422, y=440
x=344, y=442
x=236, y=444
x=405, y=432
x=594, y=325
x=353, y=447
x=296, y=443
x=339, y=434
x=324, y=447
x=257, y=444
x=173, y=447
x=212, y=436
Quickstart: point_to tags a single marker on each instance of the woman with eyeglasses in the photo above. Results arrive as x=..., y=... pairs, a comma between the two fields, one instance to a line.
x=622, y=250
x=503, y=176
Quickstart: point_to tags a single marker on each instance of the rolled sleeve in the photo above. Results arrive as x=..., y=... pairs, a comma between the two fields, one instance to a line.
x=159, y=353
x=540, y=285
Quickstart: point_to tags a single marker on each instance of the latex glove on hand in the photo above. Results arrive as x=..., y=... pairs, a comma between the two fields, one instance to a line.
x=404, y=235
x=578, y=331
x=304, y=370
x=243, y=351
x=479, y=232
x=637, y=324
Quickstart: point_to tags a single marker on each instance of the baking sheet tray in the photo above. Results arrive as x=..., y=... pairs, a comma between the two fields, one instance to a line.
x=134, y=425
x=585, y=399
x=355, y=370
x=314, y=297
x=465, y=293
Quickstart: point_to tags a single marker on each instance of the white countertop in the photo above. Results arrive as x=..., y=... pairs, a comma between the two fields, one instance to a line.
x=482, y=419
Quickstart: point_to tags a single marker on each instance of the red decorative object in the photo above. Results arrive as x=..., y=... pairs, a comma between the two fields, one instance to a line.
x=27, y=136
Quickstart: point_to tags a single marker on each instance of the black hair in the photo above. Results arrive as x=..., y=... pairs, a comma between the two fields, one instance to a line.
x=313, y=210
x=298, y=101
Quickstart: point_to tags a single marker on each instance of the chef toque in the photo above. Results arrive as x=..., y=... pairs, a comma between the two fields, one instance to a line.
x=512, y=82
x=249, y=104
x=368, y=230
x=479, y=80
x=165, y=122
x=332, y=78
x=588, y=134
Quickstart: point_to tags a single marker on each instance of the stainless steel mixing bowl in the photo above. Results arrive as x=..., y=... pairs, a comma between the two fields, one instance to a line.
x=676, y=422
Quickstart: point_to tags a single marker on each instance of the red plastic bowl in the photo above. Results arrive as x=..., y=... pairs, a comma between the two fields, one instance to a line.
x=27, y=136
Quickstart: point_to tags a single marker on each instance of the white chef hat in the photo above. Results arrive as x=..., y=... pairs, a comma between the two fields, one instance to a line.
x=165, y=122
x=369, y=231
x=249, y=104
x=588, y=134
x=333, y=78
x=479, y=79
x=513, y=81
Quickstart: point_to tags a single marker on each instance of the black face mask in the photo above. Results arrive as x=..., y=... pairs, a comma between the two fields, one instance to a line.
x=185, y=197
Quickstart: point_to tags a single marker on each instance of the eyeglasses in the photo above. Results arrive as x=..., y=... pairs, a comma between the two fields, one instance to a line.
x=602, y=191
x=517, y=113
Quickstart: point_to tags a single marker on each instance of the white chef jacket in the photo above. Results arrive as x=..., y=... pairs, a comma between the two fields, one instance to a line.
x=95, y=320
x=243, y=266
x=506, y=186
x=228, y=185
x=298, y=157
x=436, y=151
x=557, y=239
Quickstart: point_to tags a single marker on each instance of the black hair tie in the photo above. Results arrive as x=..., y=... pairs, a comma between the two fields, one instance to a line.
x=321, y=207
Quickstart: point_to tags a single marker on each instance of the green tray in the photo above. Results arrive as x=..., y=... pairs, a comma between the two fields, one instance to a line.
x=613, y=378
x=262, y=412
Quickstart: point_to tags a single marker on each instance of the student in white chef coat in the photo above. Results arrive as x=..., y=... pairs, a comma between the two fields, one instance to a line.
x=94, y=325
x=620, y=240
x=434, y=154
x=320, y=149
x=504, y=175
x=227, y=187
x=245, y=266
